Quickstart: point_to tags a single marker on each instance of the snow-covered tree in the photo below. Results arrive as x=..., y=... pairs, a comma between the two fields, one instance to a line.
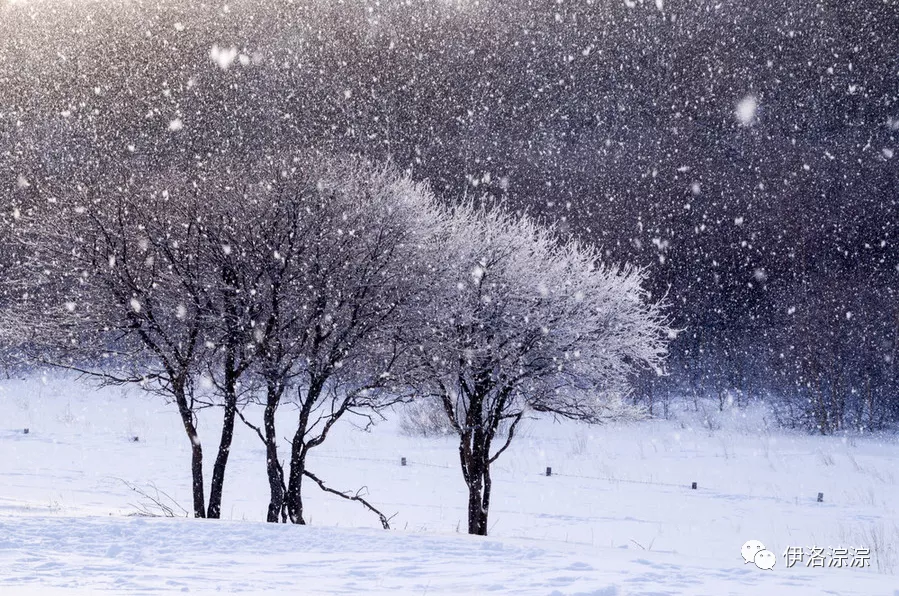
x=522, y=321
x=286, y=277
x=347, y=257
x=149, y=281
x=265, y=244
x=116, y=290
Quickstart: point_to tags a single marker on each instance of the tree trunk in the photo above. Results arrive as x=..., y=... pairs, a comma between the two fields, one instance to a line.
x=477, y=517
x=196, y=468
x=295, y=483
x=276, y=506
x=298, y=451
x=475, y=456
x=232, y=375
x=474, y=451
x=196, y=464
x=221, y=459
x=479, y=502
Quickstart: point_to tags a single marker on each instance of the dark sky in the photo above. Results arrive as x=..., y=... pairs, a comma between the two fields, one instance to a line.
x=620, y=121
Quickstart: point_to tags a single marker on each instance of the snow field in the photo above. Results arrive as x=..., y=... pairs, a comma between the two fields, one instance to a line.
x=617, y=516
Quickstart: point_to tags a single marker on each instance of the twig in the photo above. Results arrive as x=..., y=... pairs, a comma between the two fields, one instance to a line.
x=251, y=425
x=157, y=502
x=385, y=521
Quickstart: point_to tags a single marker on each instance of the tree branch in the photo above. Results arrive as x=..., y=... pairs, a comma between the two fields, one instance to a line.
x=385, y=521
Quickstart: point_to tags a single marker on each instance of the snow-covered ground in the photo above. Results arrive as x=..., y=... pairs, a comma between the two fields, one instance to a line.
x=617, y=516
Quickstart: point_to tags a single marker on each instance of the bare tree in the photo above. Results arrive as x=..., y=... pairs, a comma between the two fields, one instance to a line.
x=259, y=244
x=117, y=292
x=151, y=284
x=279, y=276
x=522, y=321
x=240, y=216
x=350, y=256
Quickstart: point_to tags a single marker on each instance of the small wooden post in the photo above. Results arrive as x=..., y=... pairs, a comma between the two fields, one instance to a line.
x=402, y=461
x=549, y=471
x=25, y=432
x=693, y=486
x=820, y=497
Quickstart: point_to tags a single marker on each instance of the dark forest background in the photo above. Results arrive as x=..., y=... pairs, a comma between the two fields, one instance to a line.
x=775, y=240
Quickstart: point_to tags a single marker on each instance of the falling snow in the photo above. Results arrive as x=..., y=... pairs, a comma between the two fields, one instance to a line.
x=661, y=216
